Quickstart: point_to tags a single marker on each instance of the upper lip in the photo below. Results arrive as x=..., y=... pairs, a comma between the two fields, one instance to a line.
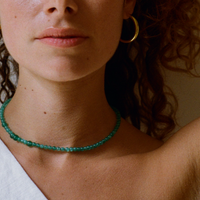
x=60, y=33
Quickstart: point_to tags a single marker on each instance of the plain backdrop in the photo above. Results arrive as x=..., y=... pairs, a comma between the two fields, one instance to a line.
x=187, y=91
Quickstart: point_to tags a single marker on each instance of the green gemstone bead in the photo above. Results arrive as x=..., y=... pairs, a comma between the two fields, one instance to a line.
x=71, y=149
x=74, y=149
x=57, y=148
x=16, y=138
x=62, y=149
x=50, y=147
x=4, y=124
x=54, y=148
x=21, y=140
x=78, y=149
x=29, y=143
x=103, y=141
x=81, y=149
x=95, y=145
x=67, y=149
x=37, y=145
x=98, y=144
x=34, y=144
x=25, y=141
x=7, y=129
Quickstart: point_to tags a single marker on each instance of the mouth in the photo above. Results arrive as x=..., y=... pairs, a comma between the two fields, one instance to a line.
x=62, y=42
x=61, y=37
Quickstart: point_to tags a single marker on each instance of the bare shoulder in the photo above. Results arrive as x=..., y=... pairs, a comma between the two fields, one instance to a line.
x=136, y=141
x=179, y=159
x=169, y=170
x=184, y=145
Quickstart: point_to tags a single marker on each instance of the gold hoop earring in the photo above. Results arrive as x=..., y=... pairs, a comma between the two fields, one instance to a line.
x=137, y=29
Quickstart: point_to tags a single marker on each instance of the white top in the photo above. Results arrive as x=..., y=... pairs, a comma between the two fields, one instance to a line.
x=15, y=184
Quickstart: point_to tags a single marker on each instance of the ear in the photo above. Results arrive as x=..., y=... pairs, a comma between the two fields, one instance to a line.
x=129, y=6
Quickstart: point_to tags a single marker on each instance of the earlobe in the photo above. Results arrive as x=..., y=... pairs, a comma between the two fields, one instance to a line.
x=129, y=6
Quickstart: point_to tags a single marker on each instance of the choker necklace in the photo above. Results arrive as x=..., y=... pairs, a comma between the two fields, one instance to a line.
x=54, y=148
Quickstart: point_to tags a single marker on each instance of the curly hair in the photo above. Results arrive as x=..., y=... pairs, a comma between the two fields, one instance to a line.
x=169, y=34
x=134, y=80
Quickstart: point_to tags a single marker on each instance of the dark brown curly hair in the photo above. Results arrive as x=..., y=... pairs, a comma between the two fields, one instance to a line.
x=134, y=83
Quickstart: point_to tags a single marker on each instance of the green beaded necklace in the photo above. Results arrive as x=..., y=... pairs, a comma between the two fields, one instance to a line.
x=54, y=148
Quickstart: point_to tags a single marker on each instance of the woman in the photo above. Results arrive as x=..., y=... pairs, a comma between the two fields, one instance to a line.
x=62, y=48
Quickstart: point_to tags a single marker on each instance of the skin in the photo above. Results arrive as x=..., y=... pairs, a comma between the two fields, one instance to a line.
x=65, y=88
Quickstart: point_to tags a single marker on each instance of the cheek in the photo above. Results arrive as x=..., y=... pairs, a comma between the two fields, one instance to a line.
x=109, y=25
x=16, y=18
x=17, y=13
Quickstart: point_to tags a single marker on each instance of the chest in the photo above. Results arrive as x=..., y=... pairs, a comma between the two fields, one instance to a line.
x=113, y=182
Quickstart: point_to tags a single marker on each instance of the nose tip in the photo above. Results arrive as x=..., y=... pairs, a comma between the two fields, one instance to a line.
x=61, y=7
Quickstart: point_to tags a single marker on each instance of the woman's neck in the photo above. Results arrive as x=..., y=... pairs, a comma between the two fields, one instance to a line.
x=61, y=114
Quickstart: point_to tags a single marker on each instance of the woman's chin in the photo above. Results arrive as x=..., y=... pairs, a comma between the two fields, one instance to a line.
x=62, y=74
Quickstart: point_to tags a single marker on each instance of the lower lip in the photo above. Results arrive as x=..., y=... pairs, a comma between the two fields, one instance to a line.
x=63, y=42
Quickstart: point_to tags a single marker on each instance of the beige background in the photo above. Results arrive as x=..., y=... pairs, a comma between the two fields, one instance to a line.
x=187, y=90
